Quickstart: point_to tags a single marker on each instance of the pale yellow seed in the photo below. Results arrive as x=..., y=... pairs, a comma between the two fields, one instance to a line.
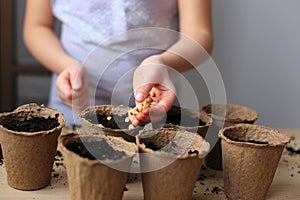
x=148, y=99
x=130, y=127
x=152, y=93
x=127, y=119
x=147, y=103
x=134, y=112
x=131, y=111
x=109, y=118
x=140, y=107
x=144, y=103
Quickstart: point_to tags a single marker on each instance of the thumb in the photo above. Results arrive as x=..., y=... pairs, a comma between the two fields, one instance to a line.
x=76, y=79
x=142, y=92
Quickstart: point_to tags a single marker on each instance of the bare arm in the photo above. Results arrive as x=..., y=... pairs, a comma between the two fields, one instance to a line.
x=196, y=29
x=71, y=84
x=192, y=48
x=40, y=38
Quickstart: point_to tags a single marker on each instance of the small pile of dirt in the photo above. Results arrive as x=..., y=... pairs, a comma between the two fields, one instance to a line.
x=58, y=159
x=294, y=146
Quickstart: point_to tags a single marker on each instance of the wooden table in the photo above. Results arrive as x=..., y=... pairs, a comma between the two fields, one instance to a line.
x=286, y=183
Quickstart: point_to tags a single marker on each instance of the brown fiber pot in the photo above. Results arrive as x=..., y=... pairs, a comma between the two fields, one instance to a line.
x=224, y=115
x=91, y=125
x=96, y=179
x=29, y=156
x=189, y=120
x=250, y=158
x=171, y=172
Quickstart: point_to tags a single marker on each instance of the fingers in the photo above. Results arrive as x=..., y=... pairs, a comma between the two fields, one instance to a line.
x=77, y=78
x=63, y=85
x=140, y=119
x=157, y=112
x=154, y=114
x=142, y=92
x=72, y=88
x=167, y=100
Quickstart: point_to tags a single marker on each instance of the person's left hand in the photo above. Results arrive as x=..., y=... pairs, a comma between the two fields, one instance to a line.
x=152, y=75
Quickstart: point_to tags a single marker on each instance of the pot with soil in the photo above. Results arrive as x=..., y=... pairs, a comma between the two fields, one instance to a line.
x=170, y=161
x=187, y=119
x=29, y=140
x=97, y=166
x=251, y=154
x=108, y=120
x=224, y=115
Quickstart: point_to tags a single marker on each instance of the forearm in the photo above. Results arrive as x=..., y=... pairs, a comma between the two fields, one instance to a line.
x=188, y=52
x=40, y=38
x=195, y=40
x=46, y=48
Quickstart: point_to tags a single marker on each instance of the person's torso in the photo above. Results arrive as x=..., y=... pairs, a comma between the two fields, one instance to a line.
x=111, y=38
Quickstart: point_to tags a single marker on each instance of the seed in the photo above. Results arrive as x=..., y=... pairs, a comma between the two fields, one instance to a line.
x=130, y=127
x=152, y=94
x=108, y=118
x=147, y=103
x=140, y=107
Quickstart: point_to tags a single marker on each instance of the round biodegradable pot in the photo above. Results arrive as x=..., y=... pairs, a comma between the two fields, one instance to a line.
x=250, y=158
x=170, y=160
x=224, y=115
x=189, y=120
x=108, y=120
x=29, y=140
x=97, y=166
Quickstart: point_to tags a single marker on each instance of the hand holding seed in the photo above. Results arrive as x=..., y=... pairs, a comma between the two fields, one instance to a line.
x=154, y=91
x=153, y=108
x=147, y=103
x=142, y=108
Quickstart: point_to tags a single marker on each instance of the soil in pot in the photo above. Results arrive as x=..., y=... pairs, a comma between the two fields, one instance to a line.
x=109, y=121
x=33, y=124
x=176, y=114
x=93, y=150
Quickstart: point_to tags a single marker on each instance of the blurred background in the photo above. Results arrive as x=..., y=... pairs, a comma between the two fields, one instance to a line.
x=256, y=49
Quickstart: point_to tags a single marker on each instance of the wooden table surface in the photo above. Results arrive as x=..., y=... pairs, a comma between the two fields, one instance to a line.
x=286, y=183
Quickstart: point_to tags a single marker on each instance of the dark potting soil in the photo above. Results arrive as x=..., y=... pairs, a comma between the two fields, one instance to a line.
x=174, y=116
x=58, y=159
x=250, y=141
x=152, y=146
x=33, y=124
x=292, y=150
x=94, y=150
x=216, y=190
x=169, y=148
x=109, y=121
x=293, y=146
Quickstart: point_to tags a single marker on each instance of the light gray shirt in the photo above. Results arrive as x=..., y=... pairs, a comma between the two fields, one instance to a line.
x=110, y=39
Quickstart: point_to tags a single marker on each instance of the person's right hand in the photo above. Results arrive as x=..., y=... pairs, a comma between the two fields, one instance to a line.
x=72, y=87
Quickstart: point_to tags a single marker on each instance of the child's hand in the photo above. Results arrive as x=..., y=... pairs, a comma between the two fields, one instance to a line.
x=152, y=75
x=72, y=87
